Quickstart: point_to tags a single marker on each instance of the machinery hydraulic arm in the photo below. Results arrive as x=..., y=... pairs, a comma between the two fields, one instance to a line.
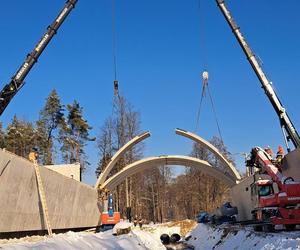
x=287, y=126
x=17, y=81
x=263, y=161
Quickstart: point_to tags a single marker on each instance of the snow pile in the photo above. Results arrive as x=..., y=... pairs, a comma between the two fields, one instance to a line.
x=206, y=237
x=80, y=241
x=202, y=237
x=146, y=238
x=149, y=235
x=122, y=225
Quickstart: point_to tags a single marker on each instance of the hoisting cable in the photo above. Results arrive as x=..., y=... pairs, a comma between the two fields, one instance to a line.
x=202, y=55
x=201, y=100
x=114, y=48
x=215, y=114
x=202, y=33
x=118, y=101
x=116, y=96
x=205, y=73
x=204, y=87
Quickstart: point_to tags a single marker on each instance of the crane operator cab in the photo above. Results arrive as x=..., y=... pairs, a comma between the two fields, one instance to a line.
x=265, y=188
x=262, y=193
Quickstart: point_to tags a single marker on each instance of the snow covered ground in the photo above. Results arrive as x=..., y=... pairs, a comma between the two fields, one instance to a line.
x=146, y=238
x=202, y=237
x=206, y=237
x=80, y=240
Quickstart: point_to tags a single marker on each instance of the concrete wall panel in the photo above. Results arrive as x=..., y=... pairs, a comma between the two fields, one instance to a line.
x=71, y=204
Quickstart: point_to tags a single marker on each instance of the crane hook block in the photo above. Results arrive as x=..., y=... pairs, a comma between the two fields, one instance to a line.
x=116, y=87
x=205, y=76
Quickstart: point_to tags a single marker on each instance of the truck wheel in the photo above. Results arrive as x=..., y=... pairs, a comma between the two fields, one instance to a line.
x=268, y=228
x=257, y=228
x=290, y=227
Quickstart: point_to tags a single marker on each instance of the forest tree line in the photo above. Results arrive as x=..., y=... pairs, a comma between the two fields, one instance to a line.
x=61, y=133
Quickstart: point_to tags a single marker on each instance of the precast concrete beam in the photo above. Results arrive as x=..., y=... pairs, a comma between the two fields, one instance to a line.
x=102, y=177
x=171, y=160
x=212, y=149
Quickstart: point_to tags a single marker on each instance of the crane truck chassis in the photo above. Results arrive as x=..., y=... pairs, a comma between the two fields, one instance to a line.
x=277, y=201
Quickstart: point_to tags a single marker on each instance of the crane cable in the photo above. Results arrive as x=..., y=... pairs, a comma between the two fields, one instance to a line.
x=200, y=105
x=118, y=101
x=205, y=73
x=114, y=49
x=116, y=96
x=113, y=16
x=204, y=87
x=215, y=113
x=203, y=56
x=202, y=32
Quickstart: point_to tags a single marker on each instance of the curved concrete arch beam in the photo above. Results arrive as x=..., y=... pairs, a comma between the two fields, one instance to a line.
x=212, y=149
x=112, y=182
x=102, y=177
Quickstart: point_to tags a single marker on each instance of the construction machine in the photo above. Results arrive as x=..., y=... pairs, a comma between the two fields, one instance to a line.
x=17, y=81
x=109, y=218
x=288, y=129
x=275, y=198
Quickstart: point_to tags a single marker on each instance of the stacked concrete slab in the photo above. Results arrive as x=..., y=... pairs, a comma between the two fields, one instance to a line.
x=71, y=204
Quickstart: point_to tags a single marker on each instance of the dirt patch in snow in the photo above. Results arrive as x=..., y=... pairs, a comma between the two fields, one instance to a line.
x=185, y=226
x=224, y=235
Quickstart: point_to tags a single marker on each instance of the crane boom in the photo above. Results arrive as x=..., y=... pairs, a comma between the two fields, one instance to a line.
x=285, y=122
x=17, y=81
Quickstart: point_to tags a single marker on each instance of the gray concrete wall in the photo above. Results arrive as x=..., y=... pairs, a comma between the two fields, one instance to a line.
x=71, y=204
x=241, y=196
x=69, y=170
x=291, y=164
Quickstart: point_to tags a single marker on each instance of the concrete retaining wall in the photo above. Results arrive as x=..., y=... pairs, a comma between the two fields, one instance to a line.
x=69, y=170
x=71, y=204
x=291, y=164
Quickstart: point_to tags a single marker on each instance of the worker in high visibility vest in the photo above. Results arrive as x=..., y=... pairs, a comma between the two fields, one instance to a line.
x=33, y=155
x=269, y=151
x=279, y=157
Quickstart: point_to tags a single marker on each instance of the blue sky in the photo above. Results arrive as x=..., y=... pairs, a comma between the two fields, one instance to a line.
x=162, y=49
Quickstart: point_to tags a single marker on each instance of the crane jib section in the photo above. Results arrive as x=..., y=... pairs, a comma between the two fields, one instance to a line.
x=17, y=81
x=285, y=121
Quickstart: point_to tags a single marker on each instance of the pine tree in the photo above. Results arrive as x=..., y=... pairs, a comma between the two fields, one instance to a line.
x=75, y=135
x=20, y=137
x=51, y=117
